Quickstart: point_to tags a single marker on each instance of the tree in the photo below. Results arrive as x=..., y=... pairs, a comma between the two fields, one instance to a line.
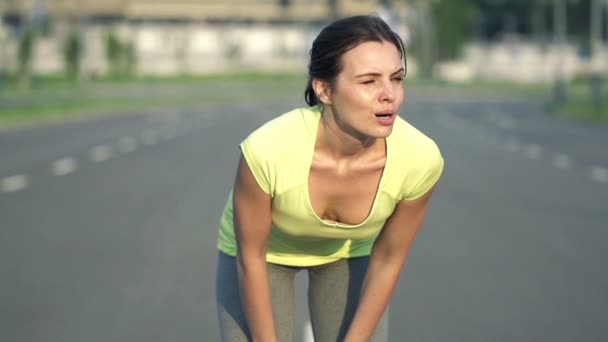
x=114, y=54
x=333, y=9
x=454, y=24
x=72, y=55
x=24, y=54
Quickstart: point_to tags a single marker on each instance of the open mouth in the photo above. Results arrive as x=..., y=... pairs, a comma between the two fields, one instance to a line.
x=386, y=119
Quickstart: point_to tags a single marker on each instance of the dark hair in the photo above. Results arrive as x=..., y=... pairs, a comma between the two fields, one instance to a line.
x=339, y=37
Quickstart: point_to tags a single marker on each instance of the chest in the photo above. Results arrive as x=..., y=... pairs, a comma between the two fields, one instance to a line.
x=344, y=195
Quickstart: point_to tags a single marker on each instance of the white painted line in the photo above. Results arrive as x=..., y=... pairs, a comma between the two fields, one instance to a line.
x=14, y=183
x=127, y=144
x=149, y=137
x=534, y=151
x=308, y=335
x=64, y=166
x=100, y=153
x=562, y=161
x=599, y=174
x=512, y=145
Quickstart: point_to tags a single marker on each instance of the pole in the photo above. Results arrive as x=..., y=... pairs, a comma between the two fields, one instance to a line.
x=3, y=54
x=596, y=55
x=426, y=39
x=559, y=29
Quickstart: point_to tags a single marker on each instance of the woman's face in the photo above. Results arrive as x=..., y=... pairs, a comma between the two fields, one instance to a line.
x=368, y=92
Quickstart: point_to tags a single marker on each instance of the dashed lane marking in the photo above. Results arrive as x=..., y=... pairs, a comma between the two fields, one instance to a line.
x=562, y=161
x=64, y=166
x=127, y=144
x=534, y=151
x=599, y=174
x=100, y=153
x=14, y=183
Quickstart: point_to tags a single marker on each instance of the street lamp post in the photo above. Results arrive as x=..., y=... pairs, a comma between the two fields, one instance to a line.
x=3, y=53
x=596, y=54
x=427, y=37
x=559, y=31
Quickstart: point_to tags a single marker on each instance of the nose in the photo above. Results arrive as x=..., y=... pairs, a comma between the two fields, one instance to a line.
x=388, y=92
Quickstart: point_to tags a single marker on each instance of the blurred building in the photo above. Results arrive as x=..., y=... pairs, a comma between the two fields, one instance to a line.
x=175, y=37
x=197, y=10
x=189, y=37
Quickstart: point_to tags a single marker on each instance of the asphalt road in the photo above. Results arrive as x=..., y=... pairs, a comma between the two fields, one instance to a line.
x=108, y=226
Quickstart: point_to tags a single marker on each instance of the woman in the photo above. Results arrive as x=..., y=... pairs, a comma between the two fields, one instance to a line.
x=338, y=190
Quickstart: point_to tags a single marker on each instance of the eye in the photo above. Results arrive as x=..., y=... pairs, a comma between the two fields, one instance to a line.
x=368, y=82
x=398, y=78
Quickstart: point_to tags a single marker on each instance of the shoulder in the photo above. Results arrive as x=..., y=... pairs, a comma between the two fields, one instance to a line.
x=281, y=137
x=410, y=142
x=278, y=144
x=274, y=133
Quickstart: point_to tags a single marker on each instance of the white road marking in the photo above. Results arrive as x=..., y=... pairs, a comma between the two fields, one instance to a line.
x=308, y=335
x=534, y=151
x=599, y=174
x=100, y=153
x=127, y=144
x=149, y=137
x=562, y=161
x=64, y=166
x=14, y=183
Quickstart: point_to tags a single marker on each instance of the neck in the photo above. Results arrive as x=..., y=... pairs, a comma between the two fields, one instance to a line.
x=341, y=142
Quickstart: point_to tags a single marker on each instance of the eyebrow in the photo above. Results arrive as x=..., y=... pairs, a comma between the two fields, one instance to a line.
x=376, y=74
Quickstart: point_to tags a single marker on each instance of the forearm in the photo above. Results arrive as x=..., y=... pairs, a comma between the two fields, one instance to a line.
x=256, y=299
x=378, y=288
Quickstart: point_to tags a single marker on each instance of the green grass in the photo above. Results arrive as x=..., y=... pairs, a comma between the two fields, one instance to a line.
x=578, y=105
x=56, y=97
x=581, y=109
x=486, y=87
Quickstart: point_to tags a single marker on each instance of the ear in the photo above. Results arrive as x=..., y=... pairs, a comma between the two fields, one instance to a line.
x=323, y=90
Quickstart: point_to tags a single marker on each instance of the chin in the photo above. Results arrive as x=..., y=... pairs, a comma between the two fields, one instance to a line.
x=383, y=133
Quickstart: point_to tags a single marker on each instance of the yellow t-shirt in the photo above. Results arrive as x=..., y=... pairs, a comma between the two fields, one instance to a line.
x=280, y=153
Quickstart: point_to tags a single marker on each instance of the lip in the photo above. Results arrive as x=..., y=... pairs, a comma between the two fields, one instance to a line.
x=388, y=121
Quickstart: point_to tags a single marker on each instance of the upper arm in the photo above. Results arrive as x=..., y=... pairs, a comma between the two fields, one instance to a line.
x=252, y=212
x=401, y=228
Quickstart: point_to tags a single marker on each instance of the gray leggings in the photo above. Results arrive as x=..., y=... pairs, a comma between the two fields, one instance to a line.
x=333, y=295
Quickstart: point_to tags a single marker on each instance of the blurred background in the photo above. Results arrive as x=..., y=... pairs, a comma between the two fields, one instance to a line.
x=119, y=129
x=541, y=44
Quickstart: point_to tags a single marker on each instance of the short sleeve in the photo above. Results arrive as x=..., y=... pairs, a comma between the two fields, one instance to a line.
x=253, y=152
x=425, y=174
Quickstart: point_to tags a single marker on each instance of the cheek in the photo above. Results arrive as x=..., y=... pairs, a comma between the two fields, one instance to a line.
x=351, y=98
x=362, y=96
x=401, y=95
